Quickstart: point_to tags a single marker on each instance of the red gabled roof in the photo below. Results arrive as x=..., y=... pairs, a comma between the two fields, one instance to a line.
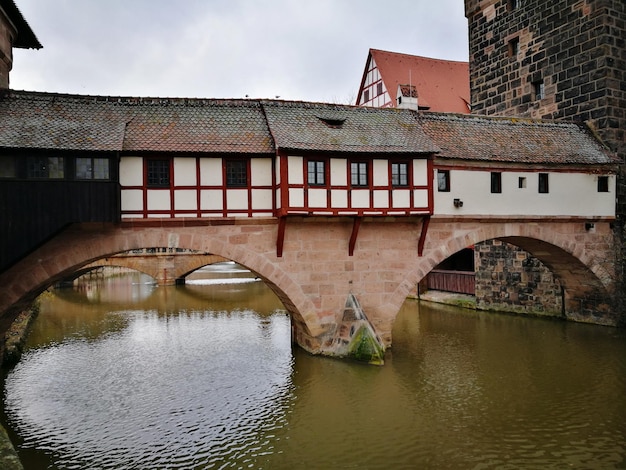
x=442, y=85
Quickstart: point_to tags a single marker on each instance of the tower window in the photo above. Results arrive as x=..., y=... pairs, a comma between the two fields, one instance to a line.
x=513, y=4
x=539, y=90
x=514, y=47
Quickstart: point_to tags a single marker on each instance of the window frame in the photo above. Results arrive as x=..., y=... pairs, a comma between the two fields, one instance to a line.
x=236, y=173
x=44, y=164
x=543, y=183
x=496, y=182
x=362, y=174
x=539, y=90
x=514, y=47
x=93, y=169
x=443, y=181
x=155, y=173
x=603, y=184
x=316, y=173
x=398, y=178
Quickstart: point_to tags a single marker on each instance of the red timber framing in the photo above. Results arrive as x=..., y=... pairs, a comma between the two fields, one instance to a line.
x=245, y=209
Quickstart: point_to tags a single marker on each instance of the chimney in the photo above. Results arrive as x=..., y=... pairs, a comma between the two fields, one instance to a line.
x=406, y=98
x=14, y=32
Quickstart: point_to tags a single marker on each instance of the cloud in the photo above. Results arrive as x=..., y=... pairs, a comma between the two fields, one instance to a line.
x=227, y=48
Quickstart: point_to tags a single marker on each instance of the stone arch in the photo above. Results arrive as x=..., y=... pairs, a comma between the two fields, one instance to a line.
x=77, y=247
x=582, y=273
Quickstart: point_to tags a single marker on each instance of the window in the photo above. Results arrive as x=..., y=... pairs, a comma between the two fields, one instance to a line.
x=236, y=173
x=543, y=183
x=603, y=184
x=7, y=167
x=539, y=90
x=513, y=5
x=88, y=168
x=521, y=182
x=514, y=47
x=400, y=174
x=45, y=167
x=496, y=182
x=443, y=181
x=358, y=174
x=316, y=172
x=379, y=88
x=366, y=95
x=158, y=173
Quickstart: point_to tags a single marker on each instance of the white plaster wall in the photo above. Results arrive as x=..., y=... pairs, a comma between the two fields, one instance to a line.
x=159, y=200
x=420, y=197
x=295, y=166
x=184, y=171
x=132, y=200
x=338, y=199
x=262, y=199
x=318, y=198
x=261, y=171
x=401, y=198
x=211, y=199
x=420, y=172
x=570, y=194
x=236, y=199
x=338, y=172
x=381, y=199
x=131, y=171
x=381, y=172
x=296, y=197
x=211, y=171
x=185, y=200
x=360, y=198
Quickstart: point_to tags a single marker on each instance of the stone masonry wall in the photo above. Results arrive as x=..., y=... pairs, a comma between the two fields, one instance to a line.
x=509, y=279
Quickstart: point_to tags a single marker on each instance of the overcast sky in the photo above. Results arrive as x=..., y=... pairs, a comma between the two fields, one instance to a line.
x=310, y=50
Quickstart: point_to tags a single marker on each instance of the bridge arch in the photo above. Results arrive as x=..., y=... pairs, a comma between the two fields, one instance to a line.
x=583, y=273
x=77, y=250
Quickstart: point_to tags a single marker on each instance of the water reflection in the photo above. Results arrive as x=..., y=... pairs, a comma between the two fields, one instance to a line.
x=203, y=376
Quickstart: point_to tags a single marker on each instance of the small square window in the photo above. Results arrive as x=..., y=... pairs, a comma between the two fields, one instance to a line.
x=521, y=182
x=316, y=171
x=514, y=47
x=236, y=173
x=496, y=182
x=543, y=183
x=158, y=173
x=400, y=174
x=603, y=184
x=443, y=181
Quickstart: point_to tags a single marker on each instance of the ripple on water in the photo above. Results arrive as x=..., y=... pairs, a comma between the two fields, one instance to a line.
x=184, y=399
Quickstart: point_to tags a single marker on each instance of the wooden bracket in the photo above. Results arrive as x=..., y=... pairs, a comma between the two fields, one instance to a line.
x=280, y=240
x=356, y=224
x=422, y=240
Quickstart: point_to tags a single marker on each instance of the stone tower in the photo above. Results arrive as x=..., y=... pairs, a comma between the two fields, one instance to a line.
x=551, y=59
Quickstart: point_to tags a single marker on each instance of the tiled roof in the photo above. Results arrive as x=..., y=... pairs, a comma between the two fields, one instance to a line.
x=231, y=126
x=492, y=139
x=442, y=85
x=50, y=121
x=337, y=128
x=65, y=122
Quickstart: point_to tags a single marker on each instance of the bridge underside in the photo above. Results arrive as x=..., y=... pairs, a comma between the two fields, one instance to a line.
x=323, y=264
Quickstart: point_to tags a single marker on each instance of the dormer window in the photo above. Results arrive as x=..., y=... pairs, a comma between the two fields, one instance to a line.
x=332, y=121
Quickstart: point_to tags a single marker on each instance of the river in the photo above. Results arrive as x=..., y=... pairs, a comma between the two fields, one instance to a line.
x=120, y=374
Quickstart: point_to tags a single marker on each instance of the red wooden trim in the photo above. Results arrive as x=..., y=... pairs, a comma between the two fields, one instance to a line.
x=197, y=188
x=430, y=171
x=280, y=239
x=356, y=224
x=422, y=240
x=284, y=182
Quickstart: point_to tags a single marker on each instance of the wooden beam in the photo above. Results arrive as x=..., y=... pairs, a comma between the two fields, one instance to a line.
x=280, y=240
x=355, y=232
x=422, y=240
